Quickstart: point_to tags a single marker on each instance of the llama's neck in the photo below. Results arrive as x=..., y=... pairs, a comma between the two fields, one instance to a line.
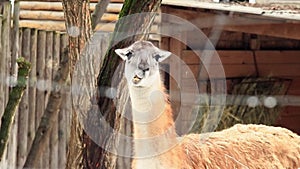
x=154, y=129
x=151, y=111
x=148, y=104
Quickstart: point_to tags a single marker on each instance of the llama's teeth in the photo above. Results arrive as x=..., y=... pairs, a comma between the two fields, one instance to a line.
x=136, y=79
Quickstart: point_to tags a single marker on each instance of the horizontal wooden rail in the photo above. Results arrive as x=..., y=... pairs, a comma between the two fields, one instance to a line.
x=57, y=6
x=57, y=15
x=241, y=63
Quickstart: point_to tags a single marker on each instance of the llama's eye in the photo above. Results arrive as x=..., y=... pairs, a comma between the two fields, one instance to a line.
x=156, y=57
x=129, y=55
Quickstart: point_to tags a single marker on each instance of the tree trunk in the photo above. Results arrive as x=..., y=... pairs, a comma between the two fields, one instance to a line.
x=78, y=26
x=83, y=151
x=136, y=27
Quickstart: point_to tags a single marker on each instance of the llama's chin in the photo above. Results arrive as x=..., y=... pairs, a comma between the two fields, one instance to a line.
x=138, y=83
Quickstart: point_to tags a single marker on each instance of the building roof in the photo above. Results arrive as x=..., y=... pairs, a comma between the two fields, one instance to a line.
x=289, y=12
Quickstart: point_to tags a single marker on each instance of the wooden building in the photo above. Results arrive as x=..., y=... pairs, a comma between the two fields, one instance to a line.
x=257, y=41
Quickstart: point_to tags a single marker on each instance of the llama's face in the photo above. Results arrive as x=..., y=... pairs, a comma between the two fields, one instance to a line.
x=142, y=58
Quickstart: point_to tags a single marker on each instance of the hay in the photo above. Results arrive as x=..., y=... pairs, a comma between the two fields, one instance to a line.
x=238, y=111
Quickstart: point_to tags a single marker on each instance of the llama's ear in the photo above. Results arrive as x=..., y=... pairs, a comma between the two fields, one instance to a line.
x=124, y=53
x=162, y=55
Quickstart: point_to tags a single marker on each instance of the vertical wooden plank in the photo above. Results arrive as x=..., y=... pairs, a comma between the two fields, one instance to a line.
x=6, y=43
x=48, y=80
x=64, y=121
x=176, y=48
x=56, y=53
x=41, y=86
x=2, y=69
x=66, y=109
x=20, y=41
x=54, y=132
x=15, y=39
x=164, y=44
x=5, y=56
x=2, y=83
x=23, y=106
x=48, y=64
x=13, y=140
x=32, y=88
x=40, y=73
x=13, y=145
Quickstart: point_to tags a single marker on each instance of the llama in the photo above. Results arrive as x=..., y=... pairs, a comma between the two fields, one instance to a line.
x=156, y=145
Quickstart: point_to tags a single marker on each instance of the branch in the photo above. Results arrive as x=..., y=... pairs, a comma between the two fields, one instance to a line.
x=50, y=114
x=14, y=99
x=100, y=8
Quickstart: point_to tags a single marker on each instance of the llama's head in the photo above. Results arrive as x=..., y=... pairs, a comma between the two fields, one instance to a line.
x=141, y=67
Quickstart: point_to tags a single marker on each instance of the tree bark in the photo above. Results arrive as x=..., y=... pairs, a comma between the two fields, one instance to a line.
x=78, y=24
x=138, y=26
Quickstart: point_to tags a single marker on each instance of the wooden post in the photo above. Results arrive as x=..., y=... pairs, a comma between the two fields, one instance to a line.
x=23, y=107
x=65, y=111
x=176, y=47
x=32, y=87
x=2, y=74
x=5, y=42
x=48, y=80
x=40, y=93
x=5, y=21
x=54, y=133
x=12, y=146
x=15, y=39
x=48, y=64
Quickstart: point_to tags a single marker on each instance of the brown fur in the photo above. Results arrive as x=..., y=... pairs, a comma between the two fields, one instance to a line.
x=244, y=146
x=241, y=147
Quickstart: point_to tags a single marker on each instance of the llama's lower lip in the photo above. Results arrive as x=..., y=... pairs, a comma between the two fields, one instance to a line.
x=136, y=79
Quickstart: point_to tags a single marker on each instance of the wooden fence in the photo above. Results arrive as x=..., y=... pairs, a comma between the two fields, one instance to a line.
x=43, y=49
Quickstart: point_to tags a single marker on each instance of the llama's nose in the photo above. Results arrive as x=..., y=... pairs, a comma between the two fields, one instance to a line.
x=143, y=67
